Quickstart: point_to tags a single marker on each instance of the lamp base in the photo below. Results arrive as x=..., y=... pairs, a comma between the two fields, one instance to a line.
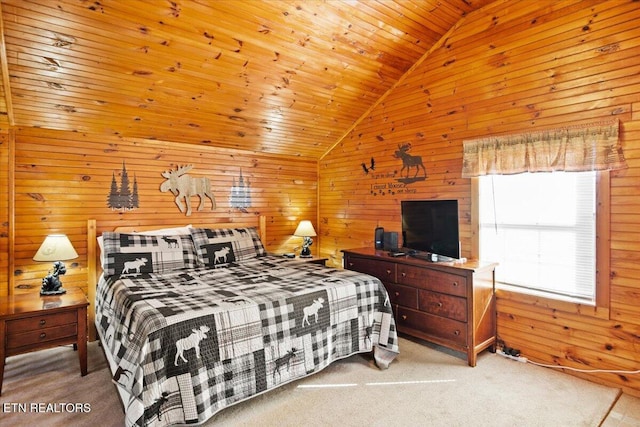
x=58, y=292
x=305, y=252
x=51, y=284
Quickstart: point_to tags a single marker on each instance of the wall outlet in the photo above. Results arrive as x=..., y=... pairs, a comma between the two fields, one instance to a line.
x=508, y=356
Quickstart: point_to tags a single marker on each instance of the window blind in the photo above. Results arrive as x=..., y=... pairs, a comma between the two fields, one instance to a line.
x=541, y=229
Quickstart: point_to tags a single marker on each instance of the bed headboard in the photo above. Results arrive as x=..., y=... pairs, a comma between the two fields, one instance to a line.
x=93, y=263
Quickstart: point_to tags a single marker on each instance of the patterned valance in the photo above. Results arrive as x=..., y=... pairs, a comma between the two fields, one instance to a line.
x=575, y=148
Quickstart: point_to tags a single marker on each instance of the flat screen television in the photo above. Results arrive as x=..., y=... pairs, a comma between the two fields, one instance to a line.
x=431, y=226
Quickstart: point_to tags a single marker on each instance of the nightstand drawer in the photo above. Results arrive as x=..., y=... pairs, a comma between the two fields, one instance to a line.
x=41, y=336
x=36, y=323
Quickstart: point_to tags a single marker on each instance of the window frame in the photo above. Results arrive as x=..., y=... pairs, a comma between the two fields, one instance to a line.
x=600, y=308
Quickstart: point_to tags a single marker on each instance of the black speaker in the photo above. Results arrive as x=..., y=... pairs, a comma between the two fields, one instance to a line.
x=390, y=240
x=379, y=238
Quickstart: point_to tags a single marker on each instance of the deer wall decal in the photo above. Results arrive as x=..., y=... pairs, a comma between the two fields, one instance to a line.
x=184, y=186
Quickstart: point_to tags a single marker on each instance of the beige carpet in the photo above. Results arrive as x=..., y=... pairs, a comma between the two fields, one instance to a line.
x=423, y=386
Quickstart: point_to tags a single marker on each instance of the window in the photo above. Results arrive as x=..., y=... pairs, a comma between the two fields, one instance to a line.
x=541, y=228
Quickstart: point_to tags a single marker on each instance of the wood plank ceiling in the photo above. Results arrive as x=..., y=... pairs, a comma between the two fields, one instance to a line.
x=287, y=77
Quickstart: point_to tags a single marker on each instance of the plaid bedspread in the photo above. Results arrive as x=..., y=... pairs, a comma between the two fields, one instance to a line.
x=189, y=343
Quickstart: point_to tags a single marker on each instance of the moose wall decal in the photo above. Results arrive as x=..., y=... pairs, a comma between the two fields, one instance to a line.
x=184, y=186
x=409, y=161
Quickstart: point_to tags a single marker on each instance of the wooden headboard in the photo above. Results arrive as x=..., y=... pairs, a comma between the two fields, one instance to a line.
x=94, y=268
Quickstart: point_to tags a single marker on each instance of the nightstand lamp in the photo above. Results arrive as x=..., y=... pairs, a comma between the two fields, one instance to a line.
x=57, y=248
x=306, y=231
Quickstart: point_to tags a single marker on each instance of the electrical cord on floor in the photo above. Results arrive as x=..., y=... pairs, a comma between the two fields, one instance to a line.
x=591, y=371
x=514, y=354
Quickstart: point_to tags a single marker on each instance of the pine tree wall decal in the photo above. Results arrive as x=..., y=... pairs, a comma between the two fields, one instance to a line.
x=240, y=194
x=135, y=201
x=125, y=193
x=123, y=198
x=113, y=200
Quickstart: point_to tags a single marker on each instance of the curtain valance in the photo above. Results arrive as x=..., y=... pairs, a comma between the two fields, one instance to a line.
x=573, y=148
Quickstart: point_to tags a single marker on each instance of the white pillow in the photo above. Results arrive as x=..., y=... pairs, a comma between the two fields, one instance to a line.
x=173, y=231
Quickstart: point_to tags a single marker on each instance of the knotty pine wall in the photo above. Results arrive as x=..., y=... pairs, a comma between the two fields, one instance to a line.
x=4, y=212
x=508, y=69
x=63, y=178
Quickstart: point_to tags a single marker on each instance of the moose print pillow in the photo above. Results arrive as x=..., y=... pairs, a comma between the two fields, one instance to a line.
x=223, y=246
x=127, y=254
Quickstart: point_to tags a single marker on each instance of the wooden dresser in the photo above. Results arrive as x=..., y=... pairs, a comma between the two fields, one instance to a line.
x=452, y=305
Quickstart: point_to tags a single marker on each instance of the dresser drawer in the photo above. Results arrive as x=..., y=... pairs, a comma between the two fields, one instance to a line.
x=43, y=321
x=383, y=270
x=448, y=283
x=35, y=338
x=443, y=305
x=432, y=280
x=402, y=295
x=412, y=276
x=443, y=329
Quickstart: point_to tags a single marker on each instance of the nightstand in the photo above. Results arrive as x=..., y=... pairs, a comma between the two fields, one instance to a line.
x=314, y=260
x=30, y=322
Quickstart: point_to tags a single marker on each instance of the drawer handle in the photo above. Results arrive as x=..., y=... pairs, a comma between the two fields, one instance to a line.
x=439, y=304
x=43, y=336
x=455, y=284
x=456, y=333
x=43, y=322
x=350, y=264
x=404, y=274
x=397, y=293
x=404, y=317
x=388, y=272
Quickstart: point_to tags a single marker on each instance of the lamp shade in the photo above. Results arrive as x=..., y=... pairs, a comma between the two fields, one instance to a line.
x=56, y=247
x=305, y=229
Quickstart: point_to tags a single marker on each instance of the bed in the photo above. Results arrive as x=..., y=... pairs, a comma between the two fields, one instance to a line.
x=195, y=319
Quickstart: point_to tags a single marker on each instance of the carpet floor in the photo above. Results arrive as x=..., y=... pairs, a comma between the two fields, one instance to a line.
x=423, y=386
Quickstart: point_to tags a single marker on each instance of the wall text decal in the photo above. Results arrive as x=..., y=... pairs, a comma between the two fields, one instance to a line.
x=397, y=182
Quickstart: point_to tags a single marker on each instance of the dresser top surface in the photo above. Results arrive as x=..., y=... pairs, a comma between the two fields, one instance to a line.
x=383, y=255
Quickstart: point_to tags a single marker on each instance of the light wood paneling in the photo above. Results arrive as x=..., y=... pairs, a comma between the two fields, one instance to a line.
x=277, y=76
x=4, y=212
x=64, y=178
x=506, y=70
x=271, y=87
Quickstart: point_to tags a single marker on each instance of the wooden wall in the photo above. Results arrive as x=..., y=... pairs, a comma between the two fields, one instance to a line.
x=64, y=178
x=507, y=68
x=4, y=211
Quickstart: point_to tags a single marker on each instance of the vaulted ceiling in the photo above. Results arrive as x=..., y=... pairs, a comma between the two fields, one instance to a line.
x=286, y=77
